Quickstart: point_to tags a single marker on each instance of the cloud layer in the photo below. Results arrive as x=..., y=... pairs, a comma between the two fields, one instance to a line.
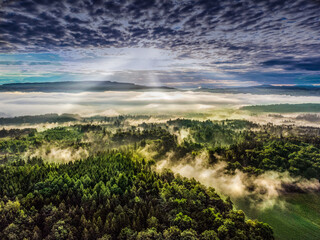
x=247, y=40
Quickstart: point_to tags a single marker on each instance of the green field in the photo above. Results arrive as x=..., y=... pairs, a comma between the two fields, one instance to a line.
x=284, y=108
x=299, y=219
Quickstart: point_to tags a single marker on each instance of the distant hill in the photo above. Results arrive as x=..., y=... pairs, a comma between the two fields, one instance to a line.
x=269, y=89
x=46, y=118
x=284, y=108
x=65, y=117
x=75, y=86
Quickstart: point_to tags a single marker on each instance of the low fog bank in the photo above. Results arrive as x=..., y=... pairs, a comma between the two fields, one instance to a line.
x=58, y=155
x=261, y=191
x=134, y=102
x=173, y=104
x=297, y=119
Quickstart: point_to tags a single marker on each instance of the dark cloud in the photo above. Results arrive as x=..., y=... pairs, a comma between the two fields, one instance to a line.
x=140, y=21
x=259, y=33
x=309, y=64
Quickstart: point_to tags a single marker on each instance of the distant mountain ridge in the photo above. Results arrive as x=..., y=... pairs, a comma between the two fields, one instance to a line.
x=101, y=86
x=269, y=89
x=284, y=108
x=36, y=119
x=75, y=86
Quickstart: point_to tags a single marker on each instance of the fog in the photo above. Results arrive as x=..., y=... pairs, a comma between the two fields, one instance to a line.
x=134, y=102
x=57, y=154
x=261, y=192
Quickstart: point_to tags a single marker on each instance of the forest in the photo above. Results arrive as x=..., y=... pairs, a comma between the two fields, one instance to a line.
x=242, y=144
x=114, y=195
x=97, y=178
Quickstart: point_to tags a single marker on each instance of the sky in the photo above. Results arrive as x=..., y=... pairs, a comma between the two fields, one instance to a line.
x=176, y=43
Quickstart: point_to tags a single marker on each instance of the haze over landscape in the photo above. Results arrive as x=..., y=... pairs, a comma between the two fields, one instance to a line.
x=160, y=119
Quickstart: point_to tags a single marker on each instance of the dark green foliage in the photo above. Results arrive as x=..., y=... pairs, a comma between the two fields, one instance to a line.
x=46, y=118
x=113, y=195
x=210, y=133
x=60, y=133
x=258, y=153
x=14, y=133
x=243, y=145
